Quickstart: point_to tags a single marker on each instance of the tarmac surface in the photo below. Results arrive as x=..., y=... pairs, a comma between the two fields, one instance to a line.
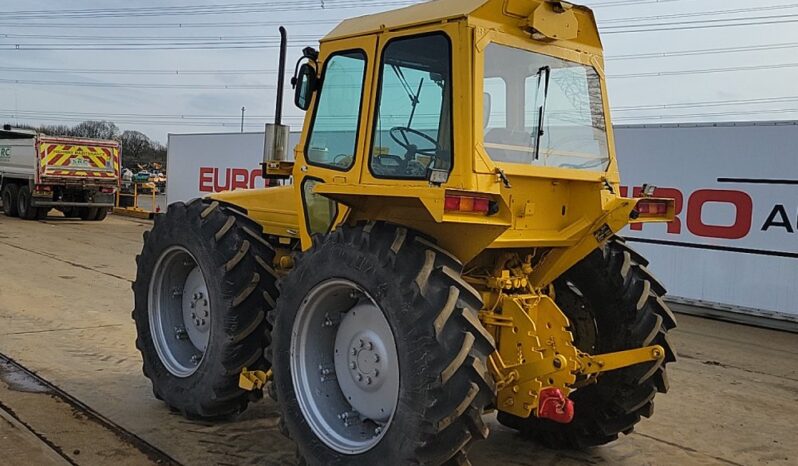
x=65, y=303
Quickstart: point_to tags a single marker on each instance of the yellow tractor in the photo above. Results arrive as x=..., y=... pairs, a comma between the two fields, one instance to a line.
x=443, y=245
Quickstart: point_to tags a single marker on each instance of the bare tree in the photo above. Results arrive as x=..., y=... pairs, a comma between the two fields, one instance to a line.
x=96, y=130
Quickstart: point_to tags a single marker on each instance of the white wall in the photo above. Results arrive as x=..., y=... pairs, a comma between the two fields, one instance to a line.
x=747, y=262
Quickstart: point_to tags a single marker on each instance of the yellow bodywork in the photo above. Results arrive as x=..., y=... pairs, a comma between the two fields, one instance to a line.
x=553, y=216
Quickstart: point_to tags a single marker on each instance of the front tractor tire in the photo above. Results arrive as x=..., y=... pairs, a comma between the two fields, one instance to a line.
x=613, y=303
x=378, y=354
x=204, y=285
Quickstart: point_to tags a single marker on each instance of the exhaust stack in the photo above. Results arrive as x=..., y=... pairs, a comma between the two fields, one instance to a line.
x=276, y=147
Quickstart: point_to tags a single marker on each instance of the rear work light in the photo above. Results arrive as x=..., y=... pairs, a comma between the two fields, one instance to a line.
x=467, y=204
x=43, y=189
x=107, y=190
x=653, y=207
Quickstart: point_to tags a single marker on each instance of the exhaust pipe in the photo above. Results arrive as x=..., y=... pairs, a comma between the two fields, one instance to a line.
x=275, y=149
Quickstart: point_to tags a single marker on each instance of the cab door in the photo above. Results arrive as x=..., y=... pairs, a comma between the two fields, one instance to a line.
x=332, y=149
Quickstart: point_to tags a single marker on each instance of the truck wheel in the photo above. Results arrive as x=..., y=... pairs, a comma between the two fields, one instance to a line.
x=378, y=354
x=23, y=204
x=204, y=285
x=87, y=213
x=10, y=200
x=613, y=304
x=102, y=213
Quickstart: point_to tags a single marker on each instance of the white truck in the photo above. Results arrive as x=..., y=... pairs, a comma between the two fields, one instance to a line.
x=38, y=173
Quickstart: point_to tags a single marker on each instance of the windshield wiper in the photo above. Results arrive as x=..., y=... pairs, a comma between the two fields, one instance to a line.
x=544, y=73
x=414, y=98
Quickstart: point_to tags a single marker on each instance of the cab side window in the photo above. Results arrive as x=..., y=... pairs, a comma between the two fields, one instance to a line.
x=334, y=131
x=413, y=128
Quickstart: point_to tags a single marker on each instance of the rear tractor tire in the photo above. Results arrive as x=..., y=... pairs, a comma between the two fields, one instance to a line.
x=378, y=354
x=204, y=285
x=614, y=304
x=10, y=192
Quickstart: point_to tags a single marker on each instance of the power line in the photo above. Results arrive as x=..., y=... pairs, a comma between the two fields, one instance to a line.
x=700, y=13
x=190, y=25
x=658, y=74
x=140, y=47
x=192, y=10
x=685, y=53
x=621, y=3
x=692, y=25
x=90, y=115
x=217, y=38
x=137, y=85
x=154, y=72
x=711, y=103
x=702, y=21
x=709, y=115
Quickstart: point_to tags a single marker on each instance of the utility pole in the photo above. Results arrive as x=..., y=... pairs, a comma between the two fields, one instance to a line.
x=243, y=109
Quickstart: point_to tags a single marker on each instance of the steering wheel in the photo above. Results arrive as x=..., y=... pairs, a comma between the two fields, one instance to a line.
x=399, y=135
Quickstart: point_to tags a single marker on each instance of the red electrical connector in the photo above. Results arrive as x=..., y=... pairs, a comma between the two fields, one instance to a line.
x=553, y=405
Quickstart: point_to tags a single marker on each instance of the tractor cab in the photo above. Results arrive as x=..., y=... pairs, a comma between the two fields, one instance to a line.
x=485, y=117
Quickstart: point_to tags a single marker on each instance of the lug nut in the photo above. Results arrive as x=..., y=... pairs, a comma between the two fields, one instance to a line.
x=369, y=346
x=362, y=343
x=352, y=365
x=376, y=357
x=368, y=380
x=360, y=377
x=354, y=351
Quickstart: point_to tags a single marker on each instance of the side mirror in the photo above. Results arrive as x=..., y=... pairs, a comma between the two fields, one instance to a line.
x=305, y=84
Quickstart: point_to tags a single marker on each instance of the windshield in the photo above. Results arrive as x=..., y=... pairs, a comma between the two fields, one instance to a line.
x=543, y=111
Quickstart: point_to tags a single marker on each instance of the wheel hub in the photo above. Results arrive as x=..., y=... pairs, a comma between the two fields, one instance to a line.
x=363, y=362
x=196, y=309
x=366, y=363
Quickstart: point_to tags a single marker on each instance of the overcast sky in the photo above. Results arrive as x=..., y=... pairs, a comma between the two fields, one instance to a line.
x=170, y=102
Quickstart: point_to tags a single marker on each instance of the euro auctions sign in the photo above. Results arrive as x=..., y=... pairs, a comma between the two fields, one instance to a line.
x=202, y=164
x=735, y=238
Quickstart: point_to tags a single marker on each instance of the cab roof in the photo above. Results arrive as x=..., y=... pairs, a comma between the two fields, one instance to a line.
x=501, y=12
x=422, y=13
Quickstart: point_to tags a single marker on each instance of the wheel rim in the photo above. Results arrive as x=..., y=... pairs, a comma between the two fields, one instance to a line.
x=180, y=312
x=344, y=366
